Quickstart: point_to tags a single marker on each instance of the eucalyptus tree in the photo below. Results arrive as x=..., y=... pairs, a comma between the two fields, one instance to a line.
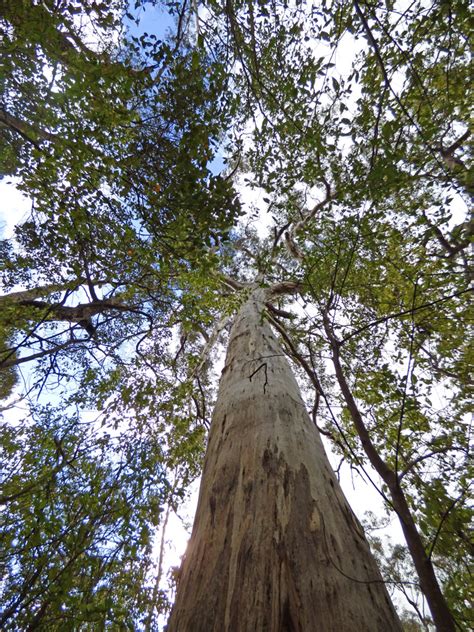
x=127, y=260
x=275, y=546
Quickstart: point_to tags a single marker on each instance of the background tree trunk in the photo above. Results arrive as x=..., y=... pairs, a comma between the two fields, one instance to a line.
x=275, y=546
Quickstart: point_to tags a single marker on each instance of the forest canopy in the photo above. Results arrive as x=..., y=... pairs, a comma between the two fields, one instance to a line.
x=139, y=153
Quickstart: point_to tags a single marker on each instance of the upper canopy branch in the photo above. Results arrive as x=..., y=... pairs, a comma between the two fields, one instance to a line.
x=31, y=133
x=299, y=226
x=48, y=311
x=76, y=313
x=43, y=290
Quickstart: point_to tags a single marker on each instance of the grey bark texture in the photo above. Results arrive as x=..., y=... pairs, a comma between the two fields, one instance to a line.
x=275, y=546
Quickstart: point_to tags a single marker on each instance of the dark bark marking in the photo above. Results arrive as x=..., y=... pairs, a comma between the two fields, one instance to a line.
x=287, y=624
x=212, y=507
x=248, y=489
x=274, y=465
x=371, y=593
x=267, y=455
x=290, y=614
x=265, y=368
x=286, y=483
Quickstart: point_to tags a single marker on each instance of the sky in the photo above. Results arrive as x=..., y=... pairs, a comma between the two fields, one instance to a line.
x=153, y=20
x=14, y=207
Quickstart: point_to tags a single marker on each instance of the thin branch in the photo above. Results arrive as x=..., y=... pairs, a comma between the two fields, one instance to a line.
x=285, y=287
x=406, y=312
x=405, y=389
x=77, y=313
x=232, y=283
x=375, y=459
x=16, y=361
x=281, y=313
x=442, y=521
x=421, y=458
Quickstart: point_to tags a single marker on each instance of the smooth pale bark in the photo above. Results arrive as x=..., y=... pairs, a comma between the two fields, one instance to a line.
x=275, y=546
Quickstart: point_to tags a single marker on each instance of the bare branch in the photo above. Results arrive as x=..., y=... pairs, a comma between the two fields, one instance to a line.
x=12, y=361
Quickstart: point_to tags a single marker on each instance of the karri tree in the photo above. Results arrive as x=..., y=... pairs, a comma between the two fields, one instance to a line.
x=275, y=546
x=349, y=123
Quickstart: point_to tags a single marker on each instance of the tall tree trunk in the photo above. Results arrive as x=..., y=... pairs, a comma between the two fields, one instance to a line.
x=275, y=546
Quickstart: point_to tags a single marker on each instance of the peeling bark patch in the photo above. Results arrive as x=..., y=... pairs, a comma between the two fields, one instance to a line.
x=315, y=522
x=335, y=546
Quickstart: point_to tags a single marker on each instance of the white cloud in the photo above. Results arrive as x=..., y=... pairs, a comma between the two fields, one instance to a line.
x=13, y=207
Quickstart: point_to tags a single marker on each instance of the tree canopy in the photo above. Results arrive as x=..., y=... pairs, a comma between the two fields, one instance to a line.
x=349, y=122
